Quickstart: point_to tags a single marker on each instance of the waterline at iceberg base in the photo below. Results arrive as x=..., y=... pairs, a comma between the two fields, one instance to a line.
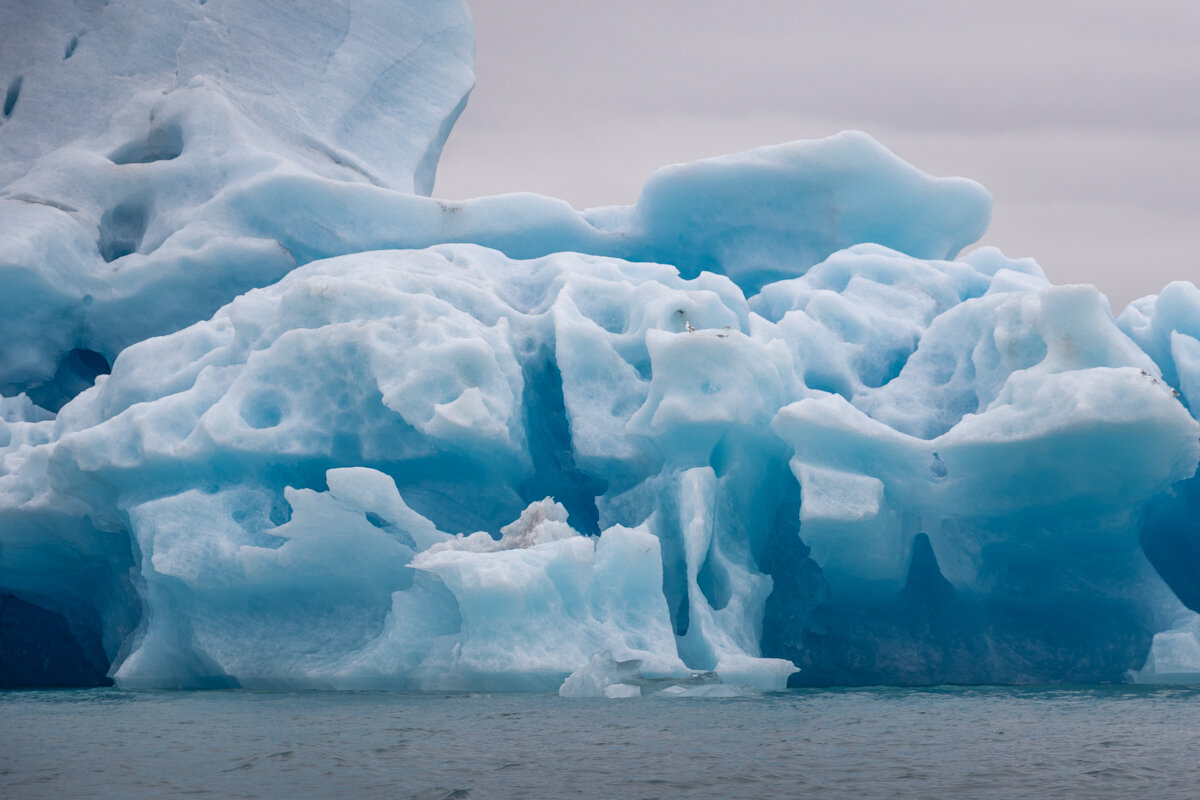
x=766, y=427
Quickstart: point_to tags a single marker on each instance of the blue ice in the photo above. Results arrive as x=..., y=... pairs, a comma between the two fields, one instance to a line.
x=274, y=417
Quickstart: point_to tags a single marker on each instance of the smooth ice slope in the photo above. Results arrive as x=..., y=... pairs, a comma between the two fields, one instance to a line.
x=354, y=88
x=763, y=427
x=122, y=120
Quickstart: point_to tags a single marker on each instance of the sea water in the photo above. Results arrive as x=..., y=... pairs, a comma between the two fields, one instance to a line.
x=952, y=742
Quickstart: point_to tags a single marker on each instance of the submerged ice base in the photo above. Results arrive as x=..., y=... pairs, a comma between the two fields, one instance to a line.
x=273, y=417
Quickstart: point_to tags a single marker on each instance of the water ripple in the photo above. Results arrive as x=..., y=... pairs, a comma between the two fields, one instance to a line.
x=952, y=742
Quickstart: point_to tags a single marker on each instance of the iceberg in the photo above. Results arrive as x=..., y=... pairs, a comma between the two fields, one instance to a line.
x=273, y=416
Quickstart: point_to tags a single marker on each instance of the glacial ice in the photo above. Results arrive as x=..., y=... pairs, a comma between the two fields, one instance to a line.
x=274, y=417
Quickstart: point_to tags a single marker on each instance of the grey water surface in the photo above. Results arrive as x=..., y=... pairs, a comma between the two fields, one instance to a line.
x=952, y=742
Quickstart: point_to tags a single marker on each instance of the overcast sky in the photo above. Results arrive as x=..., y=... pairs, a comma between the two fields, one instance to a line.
x=1081, y=117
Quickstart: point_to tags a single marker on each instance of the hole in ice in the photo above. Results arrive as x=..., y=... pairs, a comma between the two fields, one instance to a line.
x=263, y=409
x=71, y=45
x=925, y=580
x=163, y=143
x=376, y=520
x=281, y=512
x=682, y=615
x=76, y=371
x=10, y=97
x=121, y=230
x=713, y=581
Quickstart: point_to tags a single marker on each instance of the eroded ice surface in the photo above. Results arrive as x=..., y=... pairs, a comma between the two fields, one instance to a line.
x=764, y=426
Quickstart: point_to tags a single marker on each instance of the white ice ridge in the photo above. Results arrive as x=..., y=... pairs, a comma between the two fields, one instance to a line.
x=764, y=426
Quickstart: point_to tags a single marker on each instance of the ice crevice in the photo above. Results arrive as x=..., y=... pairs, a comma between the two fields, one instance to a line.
x=11, y=95
x=555, y=472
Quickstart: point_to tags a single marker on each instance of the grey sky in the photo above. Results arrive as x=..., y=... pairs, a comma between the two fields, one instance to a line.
x=1082, y=118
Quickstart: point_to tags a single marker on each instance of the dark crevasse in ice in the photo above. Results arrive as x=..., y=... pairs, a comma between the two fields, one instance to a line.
x=798, y=586
x=12, y=95
x=1170, y=537
x=40, y=648
x=548, y=428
